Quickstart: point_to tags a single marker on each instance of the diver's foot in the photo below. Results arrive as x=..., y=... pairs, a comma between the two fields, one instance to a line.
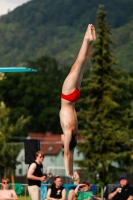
x=90, y=34
x=93, y=33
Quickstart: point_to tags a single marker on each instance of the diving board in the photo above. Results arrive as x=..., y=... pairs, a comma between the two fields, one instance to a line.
x=17, y=69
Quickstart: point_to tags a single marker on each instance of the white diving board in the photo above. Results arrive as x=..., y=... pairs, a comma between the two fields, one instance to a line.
x=17, y=69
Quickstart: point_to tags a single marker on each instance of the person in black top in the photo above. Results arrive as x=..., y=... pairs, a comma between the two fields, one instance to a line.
x=56, y=191
x=123, y=192
x=35, y=176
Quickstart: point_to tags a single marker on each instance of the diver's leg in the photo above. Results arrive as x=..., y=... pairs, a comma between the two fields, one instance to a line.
x=75, y=76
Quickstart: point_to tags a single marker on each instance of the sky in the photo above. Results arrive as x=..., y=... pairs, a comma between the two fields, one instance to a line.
x=9, y=5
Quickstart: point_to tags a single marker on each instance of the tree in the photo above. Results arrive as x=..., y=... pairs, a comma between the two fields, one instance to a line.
x=8, y=151
x=36, y=95
x=104, y=112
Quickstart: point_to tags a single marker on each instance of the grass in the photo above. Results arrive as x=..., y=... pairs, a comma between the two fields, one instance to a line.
x=21, y=197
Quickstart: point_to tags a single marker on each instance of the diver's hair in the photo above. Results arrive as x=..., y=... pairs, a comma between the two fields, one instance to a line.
x=73, y=143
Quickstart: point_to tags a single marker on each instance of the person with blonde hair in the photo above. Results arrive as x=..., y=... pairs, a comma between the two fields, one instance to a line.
x=70, y=95
x=35, y=176
x=5, y=193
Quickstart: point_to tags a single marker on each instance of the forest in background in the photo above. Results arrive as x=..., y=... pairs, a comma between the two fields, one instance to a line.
x=30, y=102
x=56, y=28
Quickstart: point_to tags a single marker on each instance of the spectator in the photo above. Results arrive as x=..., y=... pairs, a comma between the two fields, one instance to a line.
x=76, y=177
x=45, y=179
x=122, y=192
x=6, y=193
x=44, y=187
x=56, y=191
x=82, y=191
x=50, y=178
x=35, y=176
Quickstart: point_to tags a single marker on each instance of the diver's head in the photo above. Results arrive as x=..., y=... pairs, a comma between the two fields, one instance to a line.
x=73, y=141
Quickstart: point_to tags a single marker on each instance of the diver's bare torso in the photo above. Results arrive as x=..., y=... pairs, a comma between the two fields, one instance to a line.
x=68, y=117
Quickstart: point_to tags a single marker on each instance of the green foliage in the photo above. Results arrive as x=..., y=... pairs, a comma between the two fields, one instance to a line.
x=105, y=111
x=55, y=29
x=8, y=151
x=36, y=95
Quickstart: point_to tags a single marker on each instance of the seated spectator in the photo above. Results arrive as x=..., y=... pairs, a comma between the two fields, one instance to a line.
x=122, y=192
x=5, y=193
x=76, y=177
x=81, y=192
x=44, y=187
x=49, y=178
x=45, y=179
x=56, y=191
x=109, y=188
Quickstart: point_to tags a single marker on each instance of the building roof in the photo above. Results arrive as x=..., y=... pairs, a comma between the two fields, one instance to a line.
x=51, y=149
x=50, y=143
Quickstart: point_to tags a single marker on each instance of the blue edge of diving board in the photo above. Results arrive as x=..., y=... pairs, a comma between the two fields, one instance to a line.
x=17, y=69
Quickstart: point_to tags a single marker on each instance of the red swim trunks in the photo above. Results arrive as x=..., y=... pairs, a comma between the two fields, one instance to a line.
x=73, y=97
